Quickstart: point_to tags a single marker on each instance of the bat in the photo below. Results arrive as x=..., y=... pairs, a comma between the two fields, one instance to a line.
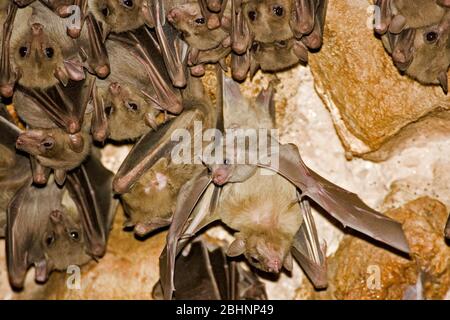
x=423, y=53
x=58, y=139
x=212, y=277
x=193, y=210
x=314, y=39
x=148, y=180
x=14, y=167
x=122, y=15
x=53, y=227
x=138, y=94
x=447, y=229
x=215, y=13
x=397, y=15
x=41, y=55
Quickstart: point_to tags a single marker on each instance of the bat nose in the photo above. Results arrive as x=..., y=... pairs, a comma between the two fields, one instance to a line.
x=36, y=29
x=115, y=88
x=173, y=15
x=274, y=266
x=220, y=176
x=56, y=216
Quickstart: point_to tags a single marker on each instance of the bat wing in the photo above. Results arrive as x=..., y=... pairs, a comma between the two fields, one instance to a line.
x=341, y=204
x=201, y=283
x=307, y=251
x=97, y=58
x=303, y=17
x=150, y=148
x=91, y=188
x=188, y=199
x=8, y=77
x=173, y=49
x=144, y=46
x=245, y=284
x=65, y=105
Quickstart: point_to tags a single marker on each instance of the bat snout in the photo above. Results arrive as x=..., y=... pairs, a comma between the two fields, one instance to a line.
x=174, y=15
x=37, y=29
x=220, y=176
x=115, y=88
x=56, y=216
x=274, y=266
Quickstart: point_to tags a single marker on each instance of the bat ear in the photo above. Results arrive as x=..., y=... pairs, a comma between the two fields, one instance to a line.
x=42, y=271
x=288, y=263
x=397, y=24
x=74, y=70
x=236, y=248
x=443, y=81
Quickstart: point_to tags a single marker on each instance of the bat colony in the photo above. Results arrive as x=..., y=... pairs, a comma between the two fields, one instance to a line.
x=81, y=73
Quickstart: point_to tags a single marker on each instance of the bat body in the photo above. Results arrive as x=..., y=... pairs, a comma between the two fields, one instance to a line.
x=267, y=222
x=423, y=53
x=212, y=276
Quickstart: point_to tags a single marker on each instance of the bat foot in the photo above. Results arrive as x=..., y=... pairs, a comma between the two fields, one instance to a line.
x=73, y=32
x=7, y=90
x=102, y=71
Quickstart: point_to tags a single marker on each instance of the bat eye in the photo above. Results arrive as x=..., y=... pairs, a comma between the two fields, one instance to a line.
x=255, y=46
x=48, y=144
x=109, y=110
x=74, y=235
x=49, y=240
x=49, y=52
x=23, y=51
x=128, y=3
x=431, y=37
x=226, y=162
x=254, y=260
x=252, y=15
x=200, y=20
x=105, y=11
x=282, y=44
x=132, y=106
x=278, y=10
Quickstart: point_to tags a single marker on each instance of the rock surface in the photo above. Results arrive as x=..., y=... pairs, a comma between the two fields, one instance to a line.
x=375, y=109
x=362, y=270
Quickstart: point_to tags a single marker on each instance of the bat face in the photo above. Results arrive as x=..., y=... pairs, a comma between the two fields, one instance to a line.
x=119, y=15
x=37, y=55
x=188, y=19
x=269, y=20
x=267, y=256
x=129, y=113
x=64, y=234
x=431, y=54
x=54, y=148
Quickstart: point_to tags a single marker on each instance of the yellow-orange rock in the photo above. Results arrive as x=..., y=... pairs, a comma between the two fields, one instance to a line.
x=375, y=109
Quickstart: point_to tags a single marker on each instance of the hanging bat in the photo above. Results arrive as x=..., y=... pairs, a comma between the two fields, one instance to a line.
x=138, y=94
x=59, y=137
x=148, y=180
x=54, y=227
x=14, y=167
x=212, y=277
x=423, y=53
x=194, y=211
x=39, y=54
x=397, y=15
x=314, y=39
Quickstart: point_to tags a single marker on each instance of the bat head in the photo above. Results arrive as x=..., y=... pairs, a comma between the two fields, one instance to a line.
x=119, y=15
x=266, y=251
x=431, y=59
x=127, y=108
x=54, y=147
x=63, y=241
x=38, y=56
x=188, y=19
x=269, y=20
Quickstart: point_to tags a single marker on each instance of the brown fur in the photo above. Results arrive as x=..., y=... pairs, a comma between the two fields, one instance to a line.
x=419, y=13
x=265, y=211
